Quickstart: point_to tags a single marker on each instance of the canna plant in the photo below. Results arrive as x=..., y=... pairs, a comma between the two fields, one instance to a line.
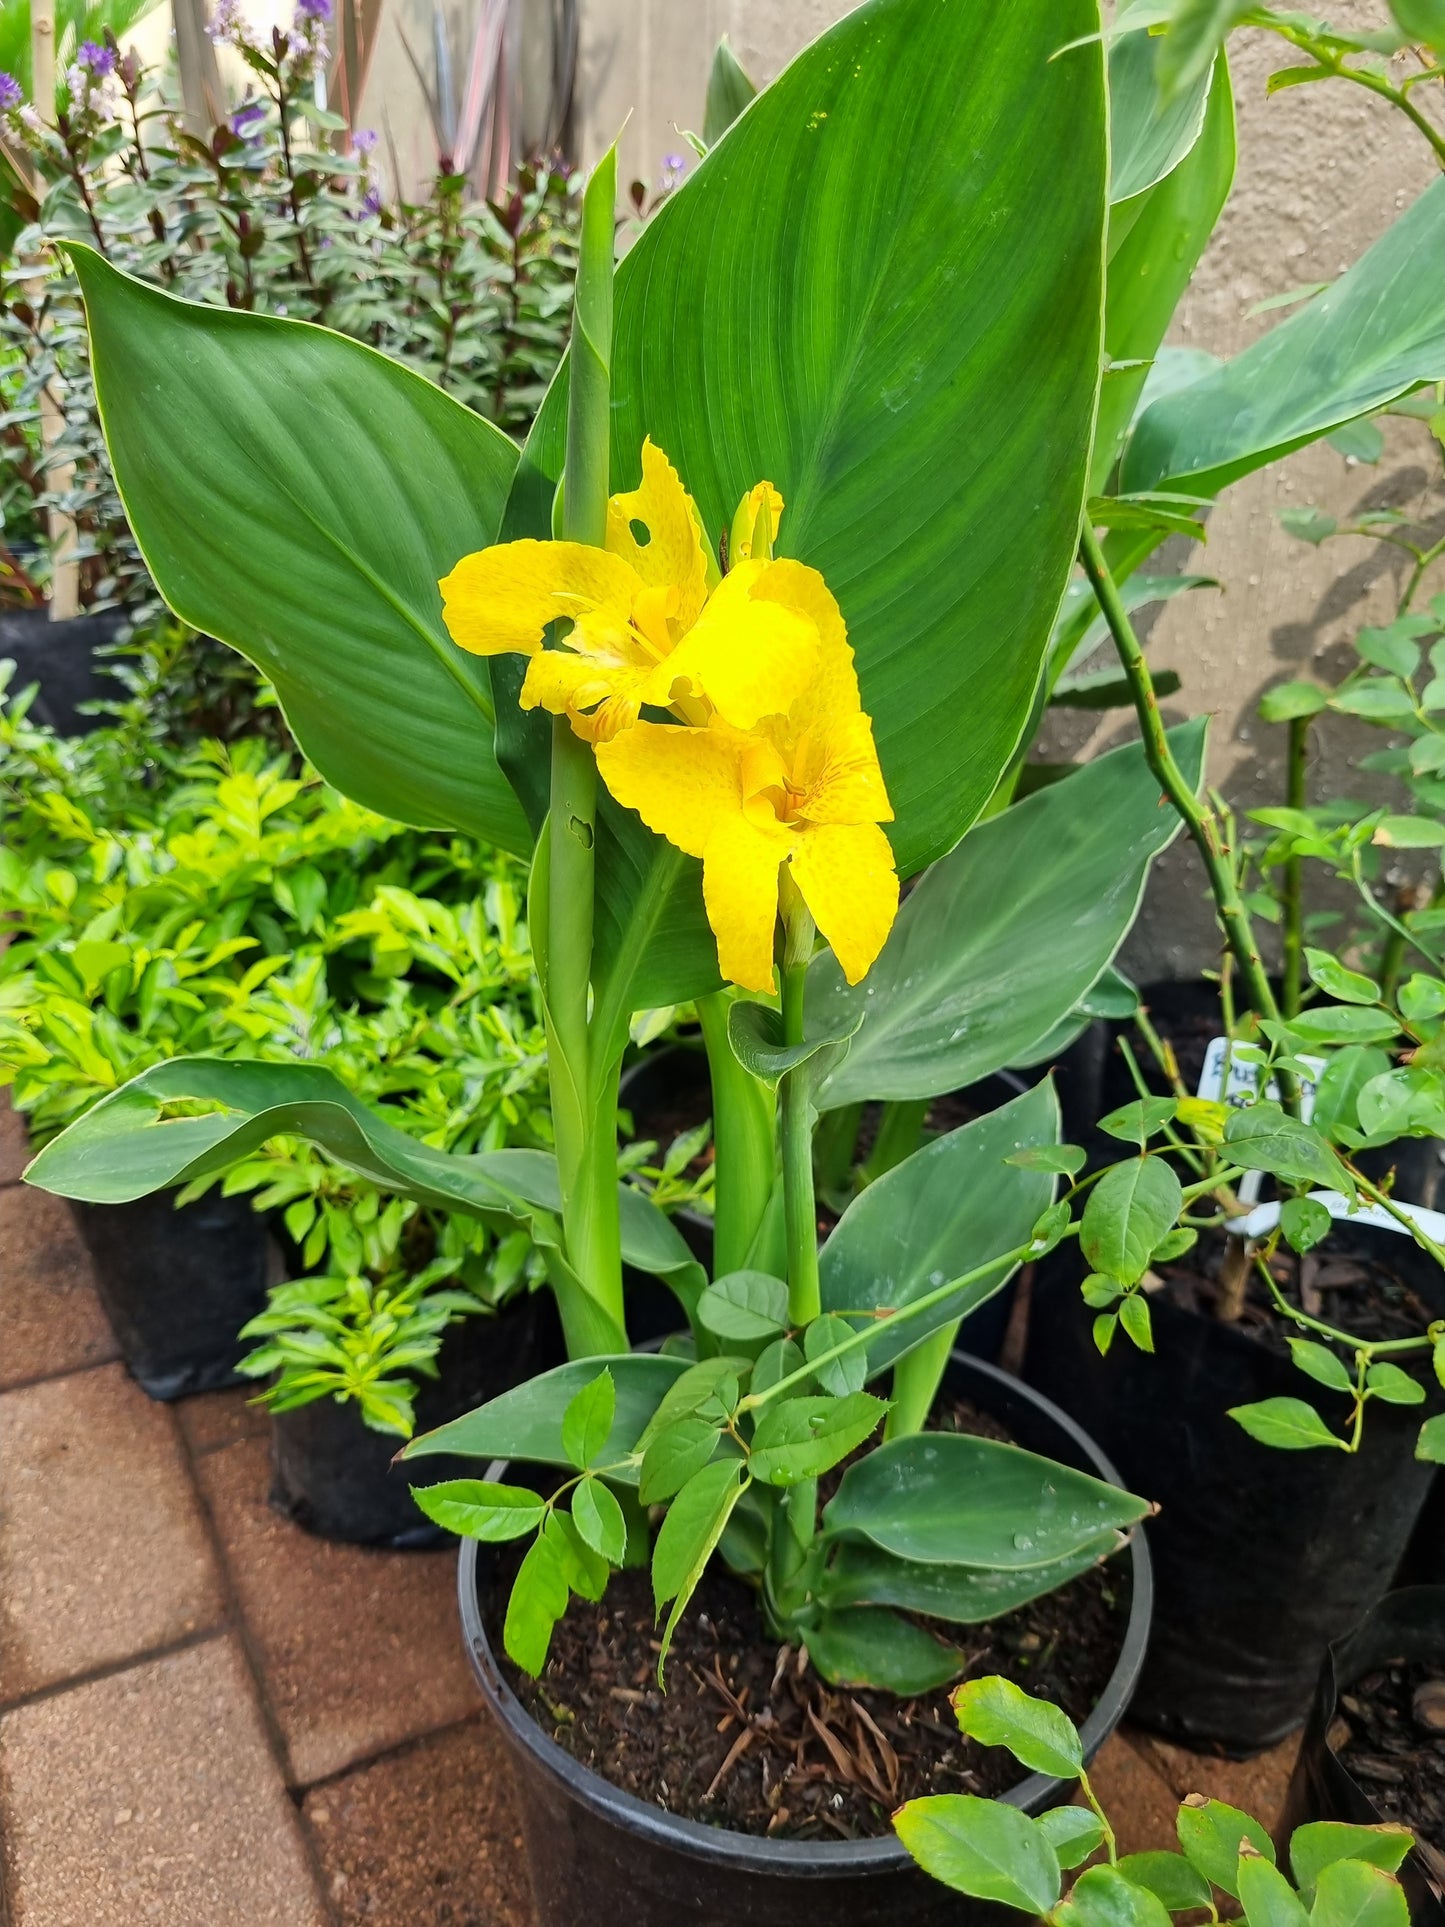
x=733, y=645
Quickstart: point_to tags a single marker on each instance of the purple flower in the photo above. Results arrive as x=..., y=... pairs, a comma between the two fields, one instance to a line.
x=313, y=9
x=11, y=93
x=99, y=60
x=225, y=23
x=371, y=202
x=363, y=141
x=246, y=118
x=674, y=163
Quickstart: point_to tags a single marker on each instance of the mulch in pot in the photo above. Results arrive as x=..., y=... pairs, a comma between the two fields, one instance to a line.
x=1389, y=1732
x=750, y=1738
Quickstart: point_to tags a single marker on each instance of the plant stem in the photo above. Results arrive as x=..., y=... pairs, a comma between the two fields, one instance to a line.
x=1200, y=821
x=1293, y=894
x=744, y=1146
x=800, y=1210
x=916, y=1380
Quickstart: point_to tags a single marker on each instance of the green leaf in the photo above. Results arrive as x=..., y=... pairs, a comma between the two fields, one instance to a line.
x=299, y=495
x=1210, y=1833
x=598, y=1518
x=1067, y=1159
x=801, y=1438
x=1150, y=132
x=995, y=1712
x=587, y=1420
x=1073, y=1833
x=525, y=1424
x=867, y=1646
x=1305, y=1223
x=1352, y=1893
x=1320, y=1843
x=1320, y=1363
x=1341, y=1082
x=870, y=353
x=745, y=1307
x=1288, y=1424
x=1343, y=1024
x=538, y=1600
x=1268, y=1898
x=1409, y=833
x=943, y=1212
x=1288, y=701
x=951, y=1499
x=585, y=1572
x=1377, y=700
x=1102, y=1897
x=1264, y=1137
x=1135, y=1319
x=1004, y=937
x=1140, y=1120
x=729, y=90
x=1333, y=978
x=839, y=1375
x=1421, y=20
x=861, y=1574
x=673, y=1456
x=776, y=1361
x=707, y=1385
x=1395, y=1387
x=132, y=1143
x=1128, y=1212
x=983, y=1848
x=1430, y=1445
x=1369, y=338
x=755, y=1034
x=1421, y=998
x=1169, y=1877
x=481, y=1509
x=689, y=1534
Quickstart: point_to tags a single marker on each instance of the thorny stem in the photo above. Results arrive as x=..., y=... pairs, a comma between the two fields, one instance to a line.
x=293, y=198
x=1292, y=908
x=1201, y=822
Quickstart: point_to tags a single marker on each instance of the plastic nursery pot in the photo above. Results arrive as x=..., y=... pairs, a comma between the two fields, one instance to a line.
x=670, y=1091
x=1406, y=1625
x=1261, y=1557
x=1424, y=1560
x=177, y=1286
x=61, y=658
x=625, y=1863
x=334, y=1477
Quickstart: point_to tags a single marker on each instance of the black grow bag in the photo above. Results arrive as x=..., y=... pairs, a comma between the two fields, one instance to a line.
x=333, y=1476
x=1406, y=1625
x=594, y=1850
x=61, y=657
x=177, y=1286
x=1261, y=1557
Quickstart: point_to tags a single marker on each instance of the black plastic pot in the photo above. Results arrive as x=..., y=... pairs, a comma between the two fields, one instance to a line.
x=334, y=1477
x=594, y=1849
x=177, y=1286
x=1407, y=1625
x=1424, y=1560
x=1261, y=1557
x=61, y=658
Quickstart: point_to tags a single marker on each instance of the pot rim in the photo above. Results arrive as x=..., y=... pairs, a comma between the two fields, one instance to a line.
x=720, y=1845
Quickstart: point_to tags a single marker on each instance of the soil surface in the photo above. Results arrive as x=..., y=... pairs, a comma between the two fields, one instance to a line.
x=749, y=1737
x=1389, y=1733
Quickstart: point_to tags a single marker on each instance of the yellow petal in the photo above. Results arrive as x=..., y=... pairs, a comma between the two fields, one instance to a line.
x=740, y=539
x=568, y=684
x=503, y=598
x=674, y=555
x=832, y=691
x=848, y=881
x=681, y=782
x=740, y=891
x=839, y=770
x=750, y=653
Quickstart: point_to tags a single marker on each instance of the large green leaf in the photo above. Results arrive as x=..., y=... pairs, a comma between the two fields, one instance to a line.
x=1002, y=938
x=195, y=1116
x=1372, y=336
x=1155, y=241
x=948, y=1498
x=863, y=1575
x=910, y=353
x=299, y=495
x=944, y=1211
x=1150, y=130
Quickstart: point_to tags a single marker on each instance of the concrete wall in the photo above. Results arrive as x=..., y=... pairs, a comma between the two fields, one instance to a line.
x=1322, y=171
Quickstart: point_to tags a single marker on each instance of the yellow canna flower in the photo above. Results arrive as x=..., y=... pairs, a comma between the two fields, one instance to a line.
x=645, y=629
x=803, y=789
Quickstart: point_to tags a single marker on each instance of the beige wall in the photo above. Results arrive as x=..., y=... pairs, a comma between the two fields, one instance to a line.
x=1322, y=171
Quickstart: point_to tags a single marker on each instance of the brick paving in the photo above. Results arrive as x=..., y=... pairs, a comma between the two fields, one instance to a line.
x=209, y=1719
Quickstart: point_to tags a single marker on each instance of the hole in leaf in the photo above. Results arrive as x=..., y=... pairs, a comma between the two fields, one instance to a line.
x=641, y=533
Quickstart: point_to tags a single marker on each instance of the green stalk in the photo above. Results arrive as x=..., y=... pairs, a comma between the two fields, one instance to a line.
x=744, y=1148
x=916, y=1379
x=800, y=1210
x=1293, y=900
x=1201, y=822
x=584, y=1119
x=835, y=1144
